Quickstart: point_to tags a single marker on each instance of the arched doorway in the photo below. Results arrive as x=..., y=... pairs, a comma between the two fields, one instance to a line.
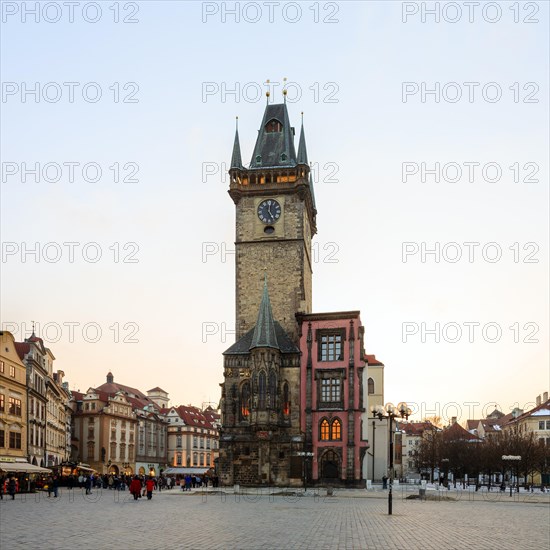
x=141, y=471
x=330, y=465
x=113, y=469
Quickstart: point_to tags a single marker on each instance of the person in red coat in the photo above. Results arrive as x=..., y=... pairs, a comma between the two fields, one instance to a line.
x=150, y=485
x=135, y=487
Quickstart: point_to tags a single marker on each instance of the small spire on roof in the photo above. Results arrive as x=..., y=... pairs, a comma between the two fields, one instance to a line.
x=268, y=93
x=285, y=91
x=236, y=159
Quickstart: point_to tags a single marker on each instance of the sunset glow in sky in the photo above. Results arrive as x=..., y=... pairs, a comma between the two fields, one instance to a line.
x=429, y=143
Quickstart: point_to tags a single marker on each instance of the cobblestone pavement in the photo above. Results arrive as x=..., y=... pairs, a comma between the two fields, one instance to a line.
x=172, y=519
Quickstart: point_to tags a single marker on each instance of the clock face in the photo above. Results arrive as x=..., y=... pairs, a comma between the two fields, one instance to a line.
x=269, y=211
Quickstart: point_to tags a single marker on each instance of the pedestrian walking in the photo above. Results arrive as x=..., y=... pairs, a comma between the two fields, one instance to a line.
x=150, y=485
x=135, y=487
x=12, y=487
x=49, y=482
x=55, y=485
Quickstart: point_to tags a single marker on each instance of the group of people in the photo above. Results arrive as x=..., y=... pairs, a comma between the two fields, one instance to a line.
x=137, y=485
x=10, y=486
x=193, y=481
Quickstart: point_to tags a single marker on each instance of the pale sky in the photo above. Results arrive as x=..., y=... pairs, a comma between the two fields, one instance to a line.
x=171, y=85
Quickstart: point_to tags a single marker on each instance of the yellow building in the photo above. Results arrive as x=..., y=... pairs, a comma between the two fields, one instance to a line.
x=537, y=422
x=13, y=401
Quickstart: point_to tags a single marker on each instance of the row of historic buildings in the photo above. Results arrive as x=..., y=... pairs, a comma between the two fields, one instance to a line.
x=120, y=430
x=35, y=415
x=409, y=436
x=111, y=428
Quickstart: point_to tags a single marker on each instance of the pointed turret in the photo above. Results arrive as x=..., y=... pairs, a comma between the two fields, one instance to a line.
x=302, y=151
x=275, y=144
x=264, y=332
x=312, y=193
x=236, y=160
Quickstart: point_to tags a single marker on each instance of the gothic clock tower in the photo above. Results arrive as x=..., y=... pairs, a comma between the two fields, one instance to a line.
x=275, y=222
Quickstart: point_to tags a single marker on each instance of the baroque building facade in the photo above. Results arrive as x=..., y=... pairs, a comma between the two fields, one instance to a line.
x=193, y=437
x=119, y=430
x=13, y=401
x=33, y=353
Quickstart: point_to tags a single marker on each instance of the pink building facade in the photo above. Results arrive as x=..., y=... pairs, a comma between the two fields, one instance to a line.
x=332, y=397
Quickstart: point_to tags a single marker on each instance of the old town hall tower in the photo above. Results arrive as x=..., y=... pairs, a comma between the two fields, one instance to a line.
x=274, y=224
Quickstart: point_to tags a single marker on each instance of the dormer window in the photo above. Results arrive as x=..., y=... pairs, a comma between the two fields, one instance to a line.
x=273, y=126
x=259, y=159
x=283, y=156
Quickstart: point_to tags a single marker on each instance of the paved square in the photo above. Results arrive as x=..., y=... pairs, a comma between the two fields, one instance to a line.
x=351, y=519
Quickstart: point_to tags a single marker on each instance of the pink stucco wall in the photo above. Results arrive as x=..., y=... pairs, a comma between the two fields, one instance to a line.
x=317, y=415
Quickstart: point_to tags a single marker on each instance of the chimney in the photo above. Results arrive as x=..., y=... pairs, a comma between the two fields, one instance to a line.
x=110, y=377
x=537, y=400
x=545, y=397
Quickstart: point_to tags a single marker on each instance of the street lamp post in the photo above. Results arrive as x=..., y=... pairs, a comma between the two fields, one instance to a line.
x=390, y=412
x=511, y=459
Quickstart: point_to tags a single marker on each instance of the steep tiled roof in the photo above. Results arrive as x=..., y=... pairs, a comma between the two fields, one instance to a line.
x=264, y=335
x=135, y=396
x=533, y=412
x=456, y=432
x=242, y=346
x=22, y=349
x=270, y=146
x=193, y=416
x=472, y=424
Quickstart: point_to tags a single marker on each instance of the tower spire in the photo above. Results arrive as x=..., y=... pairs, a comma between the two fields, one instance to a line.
x=236, y=160
x=264, y=332
x=302, y=150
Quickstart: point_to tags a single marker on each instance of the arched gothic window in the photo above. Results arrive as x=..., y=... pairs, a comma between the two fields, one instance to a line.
x=336, y=429
x=286, y=399
x=370, y=386
x=272, y=388
x=245, y=400
x=273, y=126
x=261, y=390
x=325, y=430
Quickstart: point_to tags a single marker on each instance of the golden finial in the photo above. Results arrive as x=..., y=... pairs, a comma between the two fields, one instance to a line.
x=268, y=93
x=285, y=91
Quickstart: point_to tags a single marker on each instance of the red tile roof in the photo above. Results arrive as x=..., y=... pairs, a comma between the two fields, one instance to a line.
x=544, y=405
x=139, y=401
x=472, y=424
x=193, y=416
x=415, y=428
x=456, y=432
x=371, y=360
x=22, y=349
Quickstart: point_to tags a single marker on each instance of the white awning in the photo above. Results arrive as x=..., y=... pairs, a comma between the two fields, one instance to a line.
x=181, y=471
x=25, y=467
